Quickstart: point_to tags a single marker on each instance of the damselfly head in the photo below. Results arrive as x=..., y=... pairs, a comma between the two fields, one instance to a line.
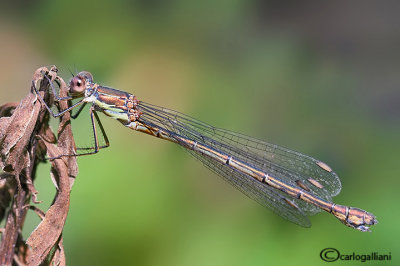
x=86, y=75
x=78, y=83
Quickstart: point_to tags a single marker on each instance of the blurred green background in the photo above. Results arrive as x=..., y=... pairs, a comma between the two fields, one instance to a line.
x=320, y=78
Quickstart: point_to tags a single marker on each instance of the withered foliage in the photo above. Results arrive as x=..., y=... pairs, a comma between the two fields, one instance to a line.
x=25, y=141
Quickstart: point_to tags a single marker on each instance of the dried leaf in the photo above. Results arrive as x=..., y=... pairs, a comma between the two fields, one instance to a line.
x=65, y=136
x=59, y=256
x=38, y=211
x=7, y=191
x=18, y=134
x=7, y=109
x=24, y=138
x=13, y=226
x=45, y=236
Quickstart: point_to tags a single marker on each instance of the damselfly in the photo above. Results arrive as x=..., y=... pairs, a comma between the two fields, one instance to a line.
x=290, y=183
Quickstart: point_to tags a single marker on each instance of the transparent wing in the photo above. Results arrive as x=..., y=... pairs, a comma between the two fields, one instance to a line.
x=292, y=167
x=255, y=190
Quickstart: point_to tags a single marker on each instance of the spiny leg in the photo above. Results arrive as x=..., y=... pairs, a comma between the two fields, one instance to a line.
x=56, y=97
x=103, y=132
x=94, y=117
x=48, y=108
x=74, y=116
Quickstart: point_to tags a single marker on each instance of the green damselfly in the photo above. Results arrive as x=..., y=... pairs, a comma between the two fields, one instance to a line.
x=290, y=183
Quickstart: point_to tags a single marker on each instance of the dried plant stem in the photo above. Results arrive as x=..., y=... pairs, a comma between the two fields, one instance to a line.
x=25, y=139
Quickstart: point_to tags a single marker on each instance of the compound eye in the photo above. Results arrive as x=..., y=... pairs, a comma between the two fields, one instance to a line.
x=77, y=85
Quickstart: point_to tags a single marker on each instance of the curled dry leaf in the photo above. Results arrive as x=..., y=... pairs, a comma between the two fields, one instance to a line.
x=25, y=137
x=17, y=134
x=7, y=191
x=45, y=236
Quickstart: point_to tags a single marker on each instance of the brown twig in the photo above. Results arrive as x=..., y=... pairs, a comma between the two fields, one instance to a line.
x=25, y=136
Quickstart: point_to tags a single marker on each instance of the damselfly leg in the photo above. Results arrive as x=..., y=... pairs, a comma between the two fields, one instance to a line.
x=57, y=98
x=93, y=118
x=74, y=116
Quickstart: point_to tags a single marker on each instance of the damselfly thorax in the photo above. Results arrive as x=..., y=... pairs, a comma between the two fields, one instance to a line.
x=290, y=183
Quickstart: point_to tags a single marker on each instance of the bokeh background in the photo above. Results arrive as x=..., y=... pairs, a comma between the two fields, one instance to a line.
x=318, y=77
